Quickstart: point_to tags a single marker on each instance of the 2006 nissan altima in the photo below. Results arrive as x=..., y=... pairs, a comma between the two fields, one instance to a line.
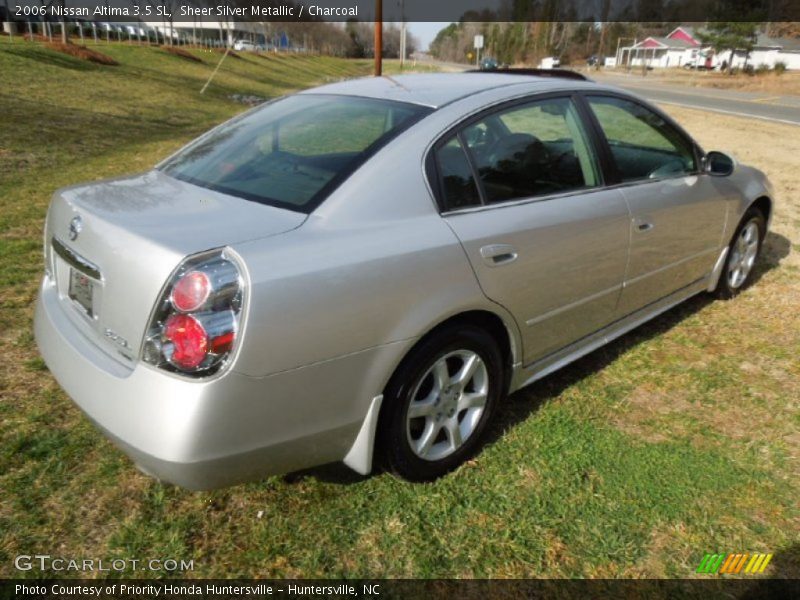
x=369, y=267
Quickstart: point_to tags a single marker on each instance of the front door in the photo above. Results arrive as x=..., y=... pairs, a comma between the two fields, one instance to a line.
x=678, y=214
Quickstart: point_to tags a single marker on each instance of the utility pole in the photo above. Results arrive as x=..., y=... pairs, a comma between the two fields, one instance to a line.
x=9, y=21
x=601, y=48
x=402, y=45
x=378, y=38
x=402, y=35
x=617, y=55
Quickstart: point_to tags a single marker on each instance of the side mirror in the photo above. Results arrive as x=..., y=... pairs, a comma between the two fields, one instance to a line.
x=718, y=164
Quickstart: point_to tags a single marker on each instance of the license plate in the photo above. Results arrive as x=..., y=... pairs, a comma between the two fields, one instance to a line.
x=81, y=290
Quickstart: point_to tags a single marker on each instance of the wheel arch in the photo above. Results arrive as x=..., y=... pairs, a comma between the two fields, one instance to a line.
x=764, y=204
x=501, y=330
x=717, y=284
x=500, y=326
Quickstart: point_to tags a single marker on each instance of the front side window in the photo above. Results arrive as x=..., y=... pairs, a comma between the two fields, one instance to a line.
x=531, y=150
x=291, y=153
x=643, y=144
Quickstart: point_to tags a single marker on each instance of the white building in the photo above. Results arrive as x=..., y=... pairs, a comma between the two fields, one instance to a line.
x=679, y=48
x=766, y=52
x=225, y=32
x=682, y=47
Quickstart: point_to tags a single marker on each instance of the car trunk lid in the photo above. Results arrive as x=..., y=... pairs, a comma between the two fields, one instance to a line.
x=111, y=246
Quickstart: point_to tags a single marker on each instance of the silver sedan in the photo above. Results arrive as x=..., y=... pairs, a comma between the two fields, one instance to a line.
x=363, y=271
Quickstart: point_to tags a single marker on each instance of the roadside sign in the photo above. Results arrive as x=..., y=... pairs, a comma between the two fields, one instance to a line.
x=478, y=42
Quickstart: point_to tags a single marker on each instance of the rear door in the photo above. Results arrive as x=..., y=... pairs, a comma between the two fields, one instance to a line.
x=678, y=213
x=521, y=188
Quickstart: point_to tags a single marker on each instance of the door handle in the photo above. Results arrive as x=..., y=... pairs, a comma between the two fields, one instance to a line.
x=643, y=226
x=498, y=254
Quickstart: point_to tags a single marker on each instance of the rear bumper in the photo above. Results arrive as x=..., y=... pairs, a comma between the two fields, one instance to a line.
x=209, y=433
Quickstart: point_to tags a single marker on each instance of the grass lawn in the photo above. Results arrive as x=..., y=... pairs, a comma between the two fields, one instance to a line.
x=681, y=438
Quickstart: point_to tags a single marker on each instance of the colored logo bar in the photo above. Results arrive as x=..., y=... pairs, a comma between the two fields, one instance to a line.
x=734, y=563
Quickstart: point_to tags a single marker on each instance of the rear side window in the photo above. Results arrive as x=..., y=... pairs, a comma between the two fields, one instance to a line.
x=532, y=150
x=293, y=152
x=535, y=149
x=458, y=185
x=643, y=144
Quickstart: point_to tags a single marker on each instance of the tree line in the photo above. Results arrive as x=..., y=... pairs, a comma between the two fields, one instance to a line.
x=525, y=43
x=352, y=39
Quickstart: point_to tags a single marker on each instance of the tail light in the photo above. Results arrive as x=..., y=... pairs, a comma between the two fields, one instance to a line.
x=195, y=323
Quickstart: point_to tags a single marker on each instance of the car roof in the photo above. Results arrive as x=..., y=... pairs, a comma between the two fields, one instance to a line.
x=437, y=89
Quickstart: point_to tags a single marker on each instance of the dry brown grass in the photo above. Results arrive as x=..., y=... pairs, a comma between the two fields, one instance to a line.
x=83, y=53
x=785, y=84
x=644, y=409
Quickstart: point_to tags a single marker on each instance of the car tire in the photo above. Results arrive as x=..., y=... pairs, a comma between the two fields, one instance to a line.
x=743, y=253
x=433, y=421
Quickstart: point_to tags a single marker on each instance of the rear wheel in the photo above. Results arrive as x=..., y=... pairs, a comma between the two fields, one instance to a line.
x=742, y=254
x=439, y=402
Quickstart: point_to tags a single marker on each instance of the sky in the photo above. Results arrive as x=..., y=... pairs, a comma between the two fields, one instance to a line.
x=425, y=32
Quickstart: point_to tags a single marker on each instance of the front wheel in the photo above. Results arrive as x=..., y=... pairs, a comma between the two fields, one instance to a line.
x=742, y=254
x=439, y=402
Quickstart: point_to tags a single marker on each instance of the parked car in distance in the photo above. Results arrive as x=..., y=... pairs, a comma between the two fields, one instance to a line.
x=601, y=61
x=367, y=269
x=550, y=62
x=488, y=64
x=244, y=45
x=701, y=64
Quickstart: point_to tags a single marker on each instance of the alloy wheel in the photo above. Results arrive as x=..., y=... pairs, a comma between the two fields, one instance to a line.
x=743, y=256
x=447, y=404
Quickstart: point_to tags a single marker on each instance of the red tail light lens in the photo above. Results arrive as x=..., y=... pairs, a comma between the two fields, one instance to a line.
x=194, y=326
x=191, y=291
x=189, y=341
x=223, y=343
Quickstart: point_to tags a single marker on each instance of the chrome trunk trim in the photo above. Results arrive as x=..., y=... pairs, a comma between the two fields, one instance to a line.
x=76, y=260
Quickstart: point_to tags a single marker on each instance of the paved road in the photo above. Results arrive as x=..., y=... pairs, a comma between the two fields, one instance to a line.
x=770, y=107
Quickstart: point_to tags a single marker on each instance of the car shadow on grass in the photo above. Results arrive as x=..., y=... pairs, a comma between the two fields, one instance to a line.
x=775, y=248
x=520, y=405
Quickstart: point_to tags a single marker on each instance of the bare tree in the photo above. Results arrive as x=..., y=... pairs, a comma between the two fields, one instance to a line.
x=165, y=8
x=46, y=23
x=64, y=33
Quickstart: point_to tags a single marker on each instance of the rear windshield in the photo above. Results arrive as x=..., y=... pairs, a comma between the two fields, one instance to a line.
x=292, y=152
